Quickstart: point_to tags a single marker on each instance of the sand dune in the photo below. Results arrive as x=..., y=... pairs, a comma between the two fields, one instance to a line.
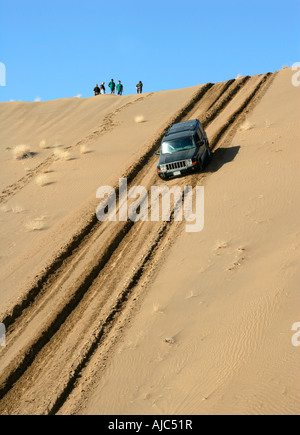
x=145, y=318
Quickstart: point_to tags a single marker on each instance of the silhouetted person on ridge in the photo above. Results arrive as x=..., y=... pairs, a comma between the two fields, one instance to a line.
x=112, y=86
x=139, y=87
x=96, y=90
x=102, y=87
x=119, y=88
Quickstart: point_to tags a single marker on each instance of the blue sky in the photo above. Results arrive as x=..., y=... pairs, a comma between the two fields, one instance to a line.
x=62, y=48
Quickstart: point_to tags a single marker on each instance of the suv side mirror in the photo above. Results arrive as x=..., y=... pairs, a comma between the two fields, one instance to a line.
x=157, y=153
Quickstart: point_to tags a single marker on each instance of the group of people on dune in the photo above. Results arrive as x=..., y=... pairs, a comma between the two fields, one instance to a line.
x=115, y=88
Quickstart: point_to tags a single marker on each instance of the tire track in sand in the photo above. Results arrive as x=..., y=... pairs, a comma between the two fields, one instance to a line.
x=26, y=370
x=23, y=312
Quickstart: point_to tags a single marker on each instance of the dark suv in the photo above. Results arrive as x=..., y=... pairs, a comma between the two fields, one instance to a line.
x=184, y=148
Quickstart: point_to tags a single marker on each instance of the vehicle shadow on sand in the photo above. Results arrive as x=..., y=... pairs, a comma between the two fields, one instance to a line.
x=220, y=157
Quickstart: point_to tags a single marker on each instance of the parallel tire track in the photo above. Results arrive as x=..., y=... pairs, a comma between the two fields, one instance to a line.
x=15, y=319
x=92, y=224
x=22, y=310
x=214, y=141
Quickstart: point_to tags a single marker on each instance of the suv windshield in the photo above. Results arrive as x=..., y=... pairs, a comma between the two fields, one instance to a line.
x=173, y=146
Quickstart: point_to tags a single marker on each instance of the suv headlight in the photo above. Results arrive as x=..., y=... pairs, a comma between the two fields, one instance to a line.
x=189, y=162
x=163, y=168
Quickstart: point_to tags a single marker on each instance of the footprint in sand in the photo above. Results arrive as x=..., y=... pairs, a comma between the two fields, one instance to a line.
x=239, y=260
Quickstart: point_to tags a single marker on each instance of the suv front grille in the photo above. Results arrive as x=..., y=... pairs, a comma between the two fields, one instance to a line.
x=176, y=165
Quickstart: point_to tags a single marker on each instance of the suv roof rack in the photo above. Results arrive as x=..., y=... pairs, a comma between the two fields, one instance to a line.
x=182, y=126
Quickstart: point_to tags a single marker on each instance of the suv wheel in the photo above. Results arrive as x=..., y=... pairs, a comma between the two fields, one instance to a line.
x=162, y=176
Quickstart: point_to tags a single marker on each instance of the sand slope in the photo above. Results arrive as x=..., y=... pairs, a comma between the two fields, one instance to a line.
x=144, y=318
x=228, y=296
x=37, y=220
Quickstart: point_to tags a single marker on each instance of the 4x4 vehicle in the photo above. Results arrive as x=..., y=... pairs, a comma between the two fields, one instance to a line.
x=184, y=148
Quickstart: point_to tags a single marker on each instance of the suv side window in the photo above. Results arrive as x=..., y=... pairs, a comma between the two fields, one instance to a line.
x=197, y=139
x=201, y=131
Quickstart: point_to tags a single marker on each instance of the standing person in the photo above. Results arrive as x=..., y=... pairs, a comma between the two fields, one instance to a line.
x=139, y=87
x=102, y=87
x=119, y=88
x=96, y=90
x=112, y=86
